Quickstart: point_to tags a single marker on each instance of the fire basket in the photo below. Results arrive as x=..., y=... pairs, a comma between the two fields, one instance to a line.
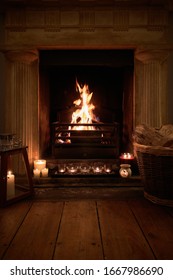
x=100, y=142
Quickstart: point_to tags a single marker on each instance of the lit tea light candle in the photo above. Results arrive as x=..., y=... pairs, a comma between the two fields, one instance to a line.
x=61, y=168
x=44, y=172
x=84, y=168
x=72, y=168
x=127, y=156
x=39, y=164
x=98, y=168
x=36, y=172
x=107, y=169
x=10, y=184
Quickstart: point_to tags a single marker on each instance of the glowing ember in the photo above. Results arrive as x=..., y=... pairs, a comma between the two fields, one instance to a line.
x=84, y=112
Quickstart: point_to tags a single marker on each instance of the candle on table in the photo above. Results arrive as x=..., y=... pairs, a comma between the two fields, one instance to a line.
x=44, y=172
x=39, y=164
x=36, y=172
x=10, y=184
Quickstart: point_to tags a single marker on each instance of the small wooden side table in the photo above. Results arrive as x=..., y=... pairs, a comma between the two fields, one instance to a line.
x=17, y=186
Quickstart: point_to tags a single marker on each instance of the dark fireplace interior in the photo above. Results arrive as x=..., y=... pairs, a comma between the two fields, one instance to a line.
x=109, y=76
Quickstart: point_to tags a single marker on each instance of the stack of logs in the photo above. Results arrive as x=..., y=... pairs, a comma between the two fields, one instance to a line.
x=151, y=136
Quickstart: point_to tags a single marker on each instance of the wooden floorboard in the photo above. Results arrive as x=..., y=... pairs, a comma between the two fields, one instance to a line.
x=37, y=235
x=11, y=219
x=157, y=225
x=79, y=236
x=122, y=238
x=126, y=228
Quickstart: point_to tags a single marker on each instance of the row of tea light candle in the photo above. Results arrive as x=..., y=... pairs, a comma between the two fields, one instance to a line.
x=72, y=168
x=40, y=168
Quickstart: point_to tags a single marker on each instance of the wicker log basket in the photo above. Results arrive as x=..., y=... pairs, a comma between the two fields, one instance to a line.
x=155, y=162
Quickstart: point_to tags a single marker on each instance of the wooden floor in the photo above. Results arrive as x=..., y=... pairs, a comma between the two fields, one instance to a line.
x=130, y=228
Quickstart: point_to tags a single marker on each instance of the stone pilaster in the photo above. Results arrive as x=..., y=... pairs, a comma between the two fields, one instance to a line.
x=151, y=87
x=22, y=98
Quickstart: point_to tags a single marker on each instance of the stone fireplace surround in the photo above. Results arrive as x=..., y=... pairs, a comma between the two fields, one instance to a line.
x=109, y=25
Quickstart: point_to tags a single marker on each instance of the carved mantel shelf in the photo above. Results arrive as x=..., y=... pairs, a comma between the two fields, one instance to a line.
x=55, y=24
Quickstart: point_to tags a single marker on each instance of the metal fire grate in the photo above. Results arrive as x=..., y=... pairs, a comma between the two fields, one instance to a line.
x=100, y=140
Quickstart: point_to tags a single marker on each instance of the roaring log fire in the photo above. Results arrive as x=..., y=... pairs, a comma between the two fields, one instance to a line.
x=83, y=120
x=84, y=112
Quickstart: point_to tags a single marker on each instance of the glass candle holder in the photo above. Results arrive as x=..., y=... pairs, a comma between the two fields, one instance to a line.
x=61, y=167
x=72, y=168
x=84, y=168
x=98, y=167
x=6, y=141
x=107, y=168
x=17, y=142
x=127, y=156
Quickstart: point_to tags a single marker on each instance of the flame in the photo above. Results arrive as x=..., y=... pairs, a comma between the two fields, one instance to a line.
x=84, y=113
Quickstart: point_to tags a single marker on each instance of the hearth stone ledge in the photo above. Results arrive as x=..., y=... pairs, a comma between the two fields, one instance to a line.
x=98, y=181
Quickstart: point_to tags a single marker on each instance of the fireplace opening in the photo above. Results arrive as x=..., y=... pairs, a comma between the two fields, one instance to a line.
x=108, y=75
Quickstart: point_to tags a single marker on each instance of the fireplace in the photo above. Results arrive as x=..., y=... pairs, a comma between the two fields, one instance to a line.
x=142, y=32
x=106, y=127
